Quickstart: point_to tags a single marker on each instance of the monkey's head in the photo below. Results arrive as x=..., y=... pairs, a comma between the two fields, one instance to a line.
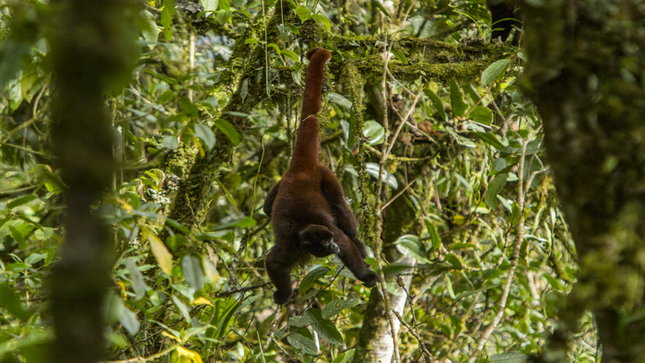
x=319, y=240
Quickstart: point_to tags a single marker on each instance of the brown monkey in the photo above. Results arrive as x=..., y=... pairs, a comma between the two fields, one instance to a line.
x=307, y=207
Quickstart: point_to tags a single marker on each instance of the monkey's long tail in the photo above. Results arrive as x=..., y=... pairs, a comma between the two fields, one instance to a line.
x=313, y=83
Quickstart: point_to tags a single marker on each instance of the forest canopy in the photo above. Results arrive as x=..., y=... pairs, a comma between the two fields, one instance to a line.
x=140, y=139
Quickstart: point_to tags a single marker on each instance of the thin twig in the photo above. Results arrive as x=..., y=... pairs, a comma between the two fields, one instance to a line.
x=242, y=289
x=233, y=266
x=274, y=324
x=398, y=194
x=398, y=129
x=424, y=351
x=24, y=149
x=148, y=358
x=18, y=128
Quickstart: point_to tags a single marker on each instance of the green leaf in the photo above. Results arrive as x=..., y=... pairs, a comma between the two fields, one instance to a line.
x=224, y=4
x=344, y=357
x=149, y=28
x=400, y=56
x=437, y=103
x=490, y=139
x=462, y=246
x=338, y=99
x=188, y=106
x=473, y=292
x=396, y=268
x=178, y=226
x=382, y=8
x=224, y=16
x=500, y=164
x=454, y=261
x=227, y=129
x=210, y=5
x=374, y=132
x=138, y=284
x=533, y=147
x=463, y=182
x=176, y=241
x=15, y=93
x=245, y=13
x=191, y=267
x=206, y=135
x=300, y=321
x=242, y=223
x=509, y=357
x=459, y=106
x=325, y=328
x=555, y=283
x=210, y=272
x=35, y=258
x=434, y=235
x=494, y=70
x=495, y=187
x=161, y=76
x=223, y=321
x=302, y=343
x=21, y=201
x=11, y=302
x=31, y=82
x=303, y=13
x=182, y=308
x=161, y=253
x=14, y=55
x=18, y=236
x=290, y=54
x=167, y=13
x=274, y=46
x=323, y=20
x=337, y=305
x=389, y=179
x=129, y=321
x=310, y=278
x=413, y=246
x=482, y=114
x=166, y=96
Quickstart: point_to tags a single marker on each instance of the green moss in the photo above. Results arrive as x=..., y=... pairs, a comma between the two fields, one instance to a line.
x=353, y=83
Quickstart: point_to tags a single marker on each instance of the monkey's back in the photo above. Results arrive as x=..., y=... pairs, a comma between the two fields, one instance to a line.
x=299, y=203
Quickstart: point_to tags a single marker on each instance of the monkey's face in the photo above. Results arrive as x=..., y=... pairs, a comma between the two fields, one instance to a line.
x=319, y=240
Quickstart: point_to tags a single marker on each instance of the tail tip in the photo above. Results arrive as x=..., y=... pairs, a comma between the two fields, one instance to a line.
x=322, y=51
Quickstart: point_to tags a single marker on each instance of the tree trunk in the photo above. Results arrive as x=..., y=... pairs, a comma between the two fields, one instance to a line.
x=585, y=74
x=375, y=340
x=88, y=54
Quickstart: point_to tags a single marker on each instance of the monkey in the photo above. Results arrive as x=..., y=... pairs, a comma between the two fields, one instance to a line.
x=307, y=206
x=319, y=240
x=504, y=14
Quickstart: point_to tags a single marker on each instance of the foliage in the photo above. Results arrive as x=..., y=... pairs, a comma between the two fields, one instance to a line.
x=198, y=292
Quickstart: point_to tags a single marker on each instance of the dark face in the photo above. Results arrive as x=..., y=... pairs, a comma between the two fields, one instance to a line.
x=319, y=240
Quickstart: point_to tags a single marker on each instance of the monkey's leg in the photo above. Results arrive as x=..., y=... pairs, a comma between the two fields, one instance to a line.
x=278, y=266
x=351, y=257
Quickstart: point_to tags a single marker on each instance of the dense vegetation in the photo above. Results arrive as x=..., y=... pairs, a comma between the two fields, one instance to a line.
x=441, y=157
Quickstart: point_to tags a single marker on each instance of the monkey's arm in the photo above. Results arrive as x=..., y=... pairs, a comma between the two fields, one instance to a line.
x=333, y=192
x=268, y=203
